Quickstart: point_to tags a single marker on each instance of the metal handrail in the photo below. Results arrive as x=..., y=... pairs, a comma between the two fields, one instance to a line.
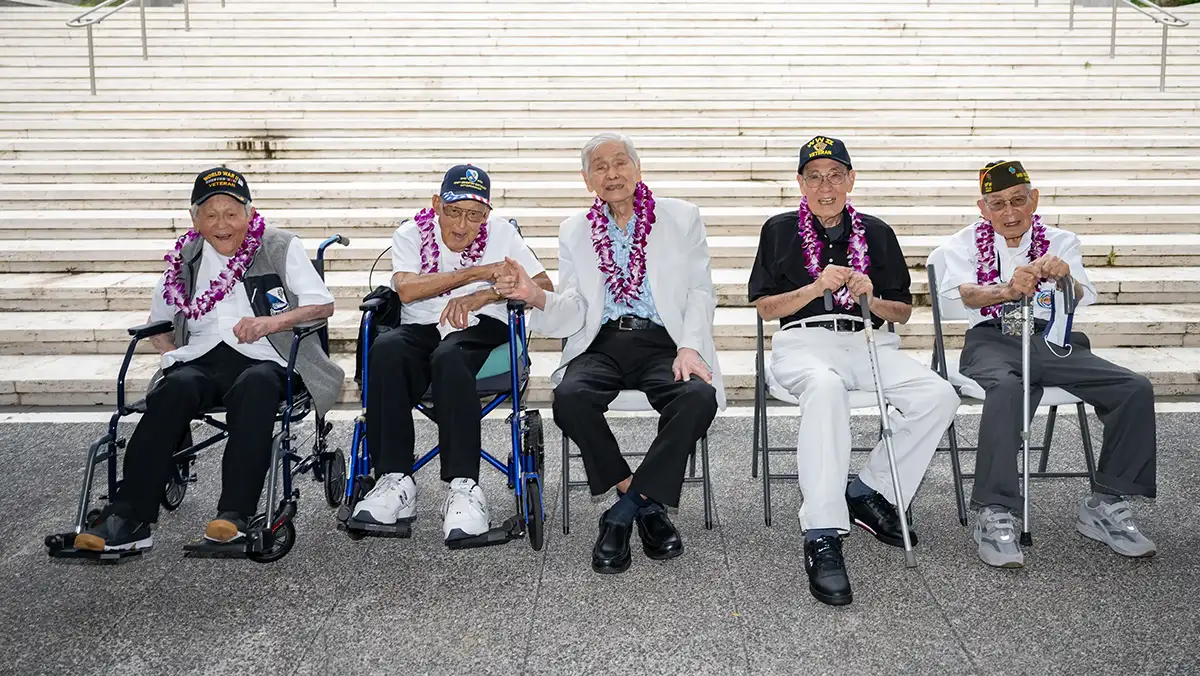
x=86, y=20
x=1156, y=14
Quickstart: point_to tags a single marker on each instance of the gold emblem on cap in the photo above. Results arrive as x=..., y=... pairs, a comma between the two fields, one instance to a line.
x=820, y=144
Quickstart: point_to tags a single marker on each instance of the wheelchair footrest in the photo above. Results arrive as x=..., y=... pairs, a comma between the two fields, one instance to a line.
x=511, y=529
x=62, y=546
x=256, y=541
x=400, y=529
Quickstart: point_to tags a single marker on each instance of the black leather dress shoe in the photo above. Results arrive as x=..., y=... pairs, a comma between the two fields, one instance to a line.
x=827, y=579
x=878, y=517
x=611, y=553
x=660, y=539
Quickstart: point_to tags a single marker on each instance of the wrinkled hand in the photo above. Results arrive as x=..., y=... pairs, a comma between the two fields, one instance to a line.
x=833, y=277
x=860, y=284
x=514, y=283
x=1024, y=281
x=688, y=363
x=458, y=310
x=490, y=272
x=1051, y=267
x=251, y=329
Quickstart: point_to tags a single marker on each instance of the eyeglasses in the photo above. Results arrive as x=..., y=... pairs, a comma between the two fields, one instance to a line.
x=814, y=179
x=454, y=213
x=1000, y=205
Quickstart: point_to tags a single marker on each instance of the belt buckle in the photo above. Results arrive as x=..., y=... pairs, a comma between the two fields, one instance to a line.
x=625, y=323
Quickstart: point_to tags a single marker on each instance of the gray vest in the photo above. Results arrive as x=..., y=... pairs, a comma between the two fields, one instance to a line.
x=322, y=377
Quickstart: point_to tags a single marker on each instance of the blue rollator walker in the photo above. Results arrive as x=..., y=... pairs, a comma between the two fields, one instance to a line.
x=503, y=377
x=270, y=535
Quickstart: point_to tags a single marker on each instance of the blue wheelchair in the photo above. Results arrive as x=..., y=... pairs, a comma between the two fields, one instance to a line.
x=503, y=378
x=272, y=534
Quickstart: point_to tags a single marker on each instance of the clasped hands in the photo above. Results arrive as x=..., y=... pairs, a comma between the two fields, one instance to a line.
x=834, y=277
x=1026, y=278
x=506, y=278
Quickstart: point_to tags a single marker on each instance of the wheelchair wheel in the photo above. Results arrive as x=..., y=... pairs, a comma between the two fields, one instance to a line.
x=93, y=517
x=333, y=472
x=176, y=489
x=284, y=539
x=535, y=526
x=534, y=443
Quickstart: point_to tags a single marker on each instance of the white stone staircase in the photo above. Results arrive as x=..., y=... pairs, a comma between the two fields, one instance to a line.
x=344, y=118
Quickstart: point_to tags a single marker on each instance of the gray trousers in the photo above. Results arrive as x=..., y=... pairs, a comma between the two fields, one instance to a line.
x=1123, y=400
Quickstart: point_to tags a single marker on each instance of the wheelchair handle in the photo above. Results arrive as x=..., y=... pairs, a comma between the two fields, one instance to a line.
x=516, y=305
x=152, y=329
x=371, y=305
x=336, y=239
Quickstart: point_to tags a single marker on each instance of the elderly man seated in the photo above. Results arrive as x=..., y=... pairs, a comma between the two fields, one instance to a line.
x=819, y=355
x=636, y=305
x=991, y=265
x=443, y=263
x=234, y=289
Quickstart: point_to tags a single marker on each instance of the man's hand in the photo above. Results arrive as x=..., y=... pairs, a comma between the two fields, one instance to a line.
x=1024, y=281
x=251, y=329
x=859, y=284
x=1051, y=267
x=688, y=363
x=458, y=310
x=490, y=272
x=832, y=278
x=514, y=283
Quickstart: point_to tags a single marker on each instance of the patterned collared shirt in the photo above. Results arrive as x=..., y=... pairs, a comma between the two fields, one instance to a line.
x=622, y=244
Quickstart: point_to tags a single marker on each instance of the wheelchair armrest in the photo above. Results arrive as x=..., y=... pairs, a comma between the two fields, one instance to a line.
x=372, y=305
x=300, y=331
x=152, y=329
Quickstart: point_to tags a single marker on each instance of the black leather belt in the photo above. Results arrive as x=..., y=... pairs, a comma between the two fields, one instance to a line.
x=629, y=323
x=847, y=324
x=1039, y=325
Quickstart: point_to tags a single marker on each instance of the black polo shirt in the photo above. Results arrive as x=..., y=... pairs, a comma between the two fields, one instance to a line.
x=779, y=265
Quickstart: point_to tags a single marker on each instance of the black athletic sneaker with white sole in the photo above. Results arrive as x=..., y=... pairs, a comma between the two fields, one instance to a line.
x=115, y=534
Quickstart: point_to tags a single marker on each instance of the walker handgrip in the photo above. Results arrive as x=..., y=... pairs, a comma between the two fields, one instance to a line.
x=828, y=300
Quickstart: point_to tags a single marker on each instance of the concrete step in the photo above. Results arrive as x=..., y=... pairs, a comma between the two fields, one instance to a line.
x=743, y=221
x=70, y=333
x=117, y=255
x=714, y=167
x=90, y=380
x=1061, y=192
x=98, y=291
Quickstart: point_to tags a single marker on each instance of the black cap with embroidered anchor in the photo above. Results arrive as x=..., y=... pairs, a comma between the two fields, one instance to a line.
x=220, y=181
x=465, y=182
x=824, y=147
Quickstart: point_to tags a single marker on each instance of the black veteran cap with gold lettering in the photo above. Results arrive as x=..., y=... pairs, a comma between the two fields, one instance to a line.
x=824, y=147
x=465, y=182
x=220, y=181
x=1001, y=175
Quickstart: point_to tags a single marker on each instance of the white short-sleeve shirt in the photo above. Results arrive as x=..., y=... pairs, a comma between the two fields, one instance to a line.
x=216, y=326
x=962, y=257
x=503, y=240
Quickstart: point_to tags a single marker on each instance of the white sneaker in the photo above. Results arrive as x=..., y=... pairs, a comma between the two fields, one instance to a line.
x=394, y=498
x=465, y=512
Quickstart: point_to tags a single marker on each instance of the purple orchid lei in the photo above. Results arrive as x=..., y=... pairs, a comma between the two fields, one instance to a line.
x=198, y=306
x=624, y=285
x=860, y=261
x=431, y=256
x=986, y=270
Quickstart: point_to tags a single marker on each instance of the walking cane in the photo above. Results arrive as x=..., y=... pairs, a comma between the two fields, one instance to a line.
x=1026, y=339
x=910, y=559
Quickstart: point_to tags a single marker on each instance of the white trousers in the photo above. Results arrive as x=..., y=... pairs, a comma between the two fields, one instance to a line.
x=819, y=367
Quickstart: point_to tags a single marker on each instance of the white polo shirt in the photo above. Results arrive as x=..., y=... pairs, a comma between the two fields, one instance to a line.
x=216, y=326
x=503, y=240
x=962, y=256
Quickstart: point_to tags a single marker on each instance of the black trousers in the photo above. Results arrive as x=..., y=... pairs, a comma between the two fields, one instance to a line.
x=1124, y=401
x=250, y=390
x=633, y=360
x=404, y=362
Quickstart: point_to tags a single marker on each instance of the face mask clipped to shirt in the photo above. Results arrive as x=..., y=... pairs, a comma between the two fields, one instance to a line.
x=1061, y=302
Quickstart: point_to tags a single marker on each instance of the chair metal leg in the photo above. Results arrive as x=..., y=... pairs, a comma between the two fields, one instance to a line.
x=566, y=484
x=956, y=467
x=1047, y=438
x=766, y=467
x=754, y=444
x=692, y=464
x=1086, y=434
x=707, y=485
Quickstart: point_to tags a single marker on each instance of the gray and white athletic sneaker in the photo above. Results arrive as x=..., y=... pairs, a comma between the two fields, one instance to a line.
x=996, y=535
x=1112, y=524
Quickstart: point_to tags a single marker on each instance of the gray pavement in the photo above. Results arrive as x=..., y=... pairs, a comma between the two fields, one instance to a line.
x=735, y=603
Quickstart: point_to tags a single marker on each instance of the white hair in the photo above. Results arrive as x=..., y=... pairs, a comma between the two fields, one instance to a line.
x=196, y=209
x=600, y=139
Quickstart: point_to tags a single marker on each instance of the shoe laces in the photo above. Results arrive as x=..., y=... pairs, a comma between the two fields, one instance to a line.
x=465, y=491
x=826, y=553
x=884, y=510
x=387, y=485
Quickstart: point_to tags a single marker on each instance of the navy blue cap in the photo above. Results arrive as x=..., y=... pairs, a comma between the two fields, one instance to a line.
x=824, y=147
x=220, y=181
x=465, y=182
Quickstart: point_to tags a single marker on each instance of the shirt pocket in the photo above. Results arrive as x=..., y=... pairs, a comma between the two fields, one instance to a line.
x=266, y=294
